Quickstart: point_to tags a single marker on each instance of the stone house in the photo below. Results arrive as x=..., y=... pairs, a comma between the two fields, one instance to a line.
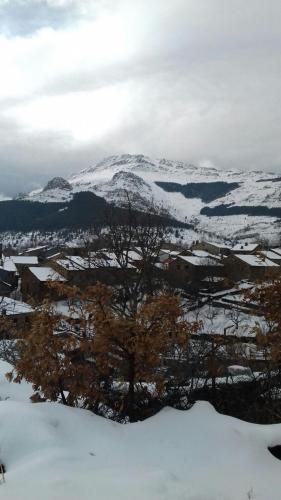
x=17, y=263
x=246, y=248
x=271, y=255
x=8, y=282
x=84, y=272
x=18, y=312
x=190, y=270
x=213, y=248
x=40, y=252
x=250, y=267
x=35, y=281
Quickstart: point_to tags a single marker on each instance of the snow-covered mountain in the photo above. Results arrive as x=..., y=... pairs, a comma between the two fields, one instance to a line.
x=181, y=189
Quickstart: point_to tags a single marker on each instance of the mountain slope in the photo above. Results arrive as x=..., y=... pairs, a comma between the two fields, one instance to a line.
x=84, y=210
x=189, y=193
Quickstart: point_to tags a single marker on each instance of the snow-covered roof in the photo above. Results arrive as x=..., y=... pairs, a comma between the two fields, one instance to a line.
x=109, y=259
x=132, y=255
x=10, y=263
x=203, y=253
x=75, y=263
x=269, y=254
x=246, y=247
x=35, y=249
x=256, y=260
x=25, y=259
x=199, y=261
x=12, y=307
x=276, y=250
x=169, y=252
x=54, y=256
x=46, y=274
x=113, y=263
x=160, y=265
x=63, y=307
x=219, y=245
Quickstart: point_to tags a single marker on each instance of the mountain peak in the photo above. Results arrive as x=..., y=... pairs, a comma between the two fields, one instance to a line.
x=58, y=183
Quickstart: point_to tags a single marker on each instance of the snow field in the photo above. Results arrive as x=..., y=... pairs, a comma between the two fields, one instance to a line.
x=53, y=452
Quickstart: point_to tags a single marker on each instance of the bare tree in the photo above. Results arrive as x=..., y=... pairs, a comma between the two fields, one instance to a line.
x=132, y=242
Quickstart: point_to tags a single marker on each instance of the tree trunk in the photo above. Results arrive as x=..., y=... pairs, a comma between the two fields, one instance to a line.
x=63, y=399
x=213, y=373
x=131, y=391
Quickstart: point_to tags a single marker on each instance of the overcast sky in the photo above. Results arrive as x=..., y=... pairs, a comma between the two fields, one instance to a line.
x=194, y=80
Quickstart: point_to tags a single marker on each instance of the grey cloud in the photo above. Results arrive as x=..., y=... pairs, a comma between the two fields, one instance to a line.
x=204, y=83
x=29, y=161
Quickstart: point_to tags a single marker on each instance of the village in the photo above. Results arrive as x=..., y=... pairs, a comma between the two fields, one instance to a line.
x=212, y=280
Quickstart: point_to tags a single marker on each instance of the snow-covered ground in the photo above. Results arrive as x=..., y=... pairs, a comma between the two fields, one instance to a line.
x=52, y=452
x=217, y=320
x=30, y=239
x=24, y=240
x=11, y=391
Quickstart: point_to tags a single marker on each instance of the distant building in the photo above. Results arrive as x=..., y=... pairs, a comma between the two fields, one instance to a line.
x=16, y=263
x=102, y=266
x=75, y=269
x=251, y=267
x=213, y=248
x=8, y=282
x=35, y=282
x=276, y=250
x=40, y=252
x=271, y=255
x=18, y=312
x=245, y=248
x=166, y=254
x=190, y=270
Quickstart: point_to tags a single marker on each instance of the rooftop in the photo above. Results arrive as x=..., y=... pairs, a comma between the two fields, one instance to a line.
x=35, y=249
x=256, y=260
x=245, y=247
x=269, y=254
x=10, y=263
x=199, y=261
x=203, y=253
x=75, y=263
x=170, y=252
x=276, y=250
x=24, y=259
x=46, y=274
x=219, y=245
x=12, y=307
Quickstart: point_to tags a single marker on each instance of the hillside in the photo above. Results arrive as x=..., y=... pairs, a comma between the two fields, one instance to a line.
x=83, y=210
x=229, y=203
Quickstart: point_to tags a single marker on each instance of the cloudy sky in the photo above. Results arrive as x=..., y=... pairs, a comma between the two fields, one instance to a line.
x=194, y=80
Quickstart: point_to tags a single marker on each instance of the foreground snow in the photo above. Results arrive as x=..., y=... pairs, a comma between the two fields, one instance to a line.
x=52, y=452
x=10, y=391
